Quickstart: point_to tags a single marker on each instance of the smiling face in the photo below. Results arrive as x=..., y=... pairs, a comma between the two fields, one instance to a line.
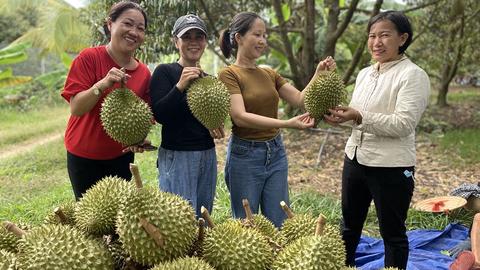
x=191, y=45
x=127, y=31
x=254, y=42
x=384, y=41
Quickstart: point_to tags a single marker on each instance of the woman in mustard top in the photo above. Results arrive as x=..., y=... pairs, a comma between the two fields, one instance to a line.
x=256, y=167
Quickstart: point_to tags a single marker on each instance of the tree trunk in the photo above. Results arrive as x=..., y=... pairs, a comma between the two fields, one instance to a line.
x=309, y=42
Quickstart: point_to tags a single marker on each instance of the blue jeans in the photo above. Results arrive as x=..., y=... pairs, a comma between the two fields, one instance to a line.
x=257, y=171
x=189, y=174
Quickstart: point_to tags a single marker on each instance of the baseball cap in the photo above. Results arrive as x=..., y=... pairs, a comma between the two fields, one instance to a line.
x=188, y=22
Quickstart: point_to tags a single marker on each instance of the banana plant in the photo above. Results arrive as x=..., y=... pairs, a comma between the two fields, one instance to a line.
x=12, y=54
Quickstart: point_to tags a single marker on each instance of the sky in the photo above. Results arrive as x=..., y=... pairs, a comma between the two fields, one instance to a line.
x=77, y=3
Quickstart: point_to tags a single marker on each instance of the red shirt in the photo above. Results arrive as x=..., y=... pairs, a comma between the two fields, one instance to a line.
x=85, y=136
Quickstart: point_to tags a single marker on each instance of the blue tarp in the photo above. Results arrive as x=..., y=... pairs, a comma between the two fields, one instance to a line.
x=425, y=249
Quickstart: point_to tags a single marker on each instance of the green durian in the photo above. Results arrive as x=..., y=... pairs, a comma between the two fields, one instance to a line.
x=52, y=247
x=63, y=214
x=8, y=240
x=325, y=92
x=273, y=236
x=209, y=101
x=232, y=246
x=312, y=253
x=188, y=263
x=7, y=260
x=172, y=217
x=125, y=117
x=298, y=226
x=96, y=211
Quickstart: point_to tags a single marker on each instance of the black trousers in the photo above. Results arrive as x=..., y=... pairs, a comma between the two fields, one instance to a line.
x=84, y=172
x=391, y=190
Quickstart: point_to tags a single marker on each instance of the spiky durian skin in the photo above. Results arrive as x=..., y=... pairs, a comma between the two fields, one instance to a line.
x=125, y=117
x=7, y=260
x=232, y=246
x=188, y=263
x=68, y=209
x=298, y=226
x=172, y=215
x=209, y=101
x=312, y=253
x=268, y=230
x=326, y=92
x=9, y=241
x=96, y=212
x=52, y=247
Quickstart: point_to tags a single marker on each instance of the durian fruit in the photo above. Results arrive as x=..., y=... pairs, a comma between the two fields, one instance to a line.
x=188, y=263
x=155, y=226
x=232, y=246
x=325, y=92
x=59, y=247
x=197, y=247
x=96, y=211
x=63, y=214
x=209, y=101
x=8, y=240
x=125, y=117
x=316, y=252
x=297, y=225
x=115, y=248
x=264, y=226
x=7, y=260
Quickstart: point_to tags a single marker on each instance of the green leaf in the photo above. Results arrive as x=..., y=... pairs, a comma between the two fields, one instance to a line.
x=52, y=78
x=286, y=12
x=15, y=47
x=66, y=59
x=7, y=73
x=16, y=80
x=12, y=58
x=341, y=3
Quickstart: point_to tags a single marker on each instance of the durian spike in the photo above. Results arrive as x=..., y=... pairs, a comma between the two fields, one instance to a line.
x=136, y=175
x=248, y=211
x=206, y=216
x=11, y=227
x=287, y=209
x=320, y=225
x=60, y=215
x=201, y=229
x=153, y=231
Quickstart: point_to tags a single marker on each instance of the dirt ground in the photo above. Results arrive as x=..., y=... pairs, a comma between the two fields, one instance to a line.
x=435, y=176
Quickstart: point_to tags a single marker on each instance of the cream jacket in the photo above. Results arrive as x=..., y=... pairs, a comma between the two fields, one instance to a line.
x=391, y=97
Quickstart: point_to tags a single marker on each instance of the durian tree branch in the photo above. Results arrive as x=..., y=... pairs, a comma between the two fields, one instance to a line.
x=210, y=20
x=357, y=56
x=211, y=47
x=294, y=67
x=334, y=30
x=309, y=42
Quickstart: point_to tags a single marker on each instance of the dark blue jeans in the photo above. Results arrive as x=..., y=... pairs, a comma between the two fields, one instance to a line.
x=189, y=174
x=257, y=171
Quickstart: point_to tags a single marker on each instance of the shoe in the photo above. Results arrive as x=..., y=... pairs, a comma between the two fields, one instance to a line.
x=464, y=261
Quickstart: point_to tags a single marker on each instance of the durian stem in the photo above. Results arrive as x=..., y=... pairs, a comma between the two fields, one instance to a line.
x=201, y=229
x=320, y=225
x=61, y=216
x=136, y=175
x=11, y=227
x=122, y=82
x=287, y=209
x=248, y=211
x=153, y=231
x=207, y=217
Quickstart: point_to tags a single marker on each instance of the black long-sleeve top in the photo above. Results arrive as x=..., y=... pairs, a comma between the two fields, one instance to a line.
x=181, y=131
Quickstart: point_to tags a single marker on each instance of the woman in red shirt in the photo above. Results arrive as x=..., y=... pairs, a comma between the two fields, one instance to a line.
x=95, y=72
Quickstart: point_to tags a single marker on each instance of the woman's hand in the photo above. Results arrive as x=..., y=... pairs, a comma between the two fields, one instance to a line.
x=114, y=75
x=327, y=64
x=342, y=114
x=188, y=75
x=217, y=133
x=301, y=121
x=146, y=145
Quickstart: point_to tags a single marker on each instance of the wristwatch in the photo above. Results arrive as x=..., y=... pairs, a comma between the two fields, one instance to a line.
x=96, y=90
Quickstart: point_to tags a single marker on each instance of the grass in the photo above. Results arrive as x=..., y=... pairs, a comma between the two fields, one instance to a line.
x=463, y=145
x=18, y=127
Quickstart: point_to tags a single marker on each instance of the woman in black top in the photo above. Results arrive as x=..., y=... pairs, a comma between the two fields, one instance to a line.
x=187, y=163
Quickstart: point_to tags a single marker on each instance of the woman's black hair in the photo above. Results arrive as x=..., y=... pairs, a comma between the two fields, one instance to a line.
x=118, y=8
x=241, y=23
x=401, y=22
